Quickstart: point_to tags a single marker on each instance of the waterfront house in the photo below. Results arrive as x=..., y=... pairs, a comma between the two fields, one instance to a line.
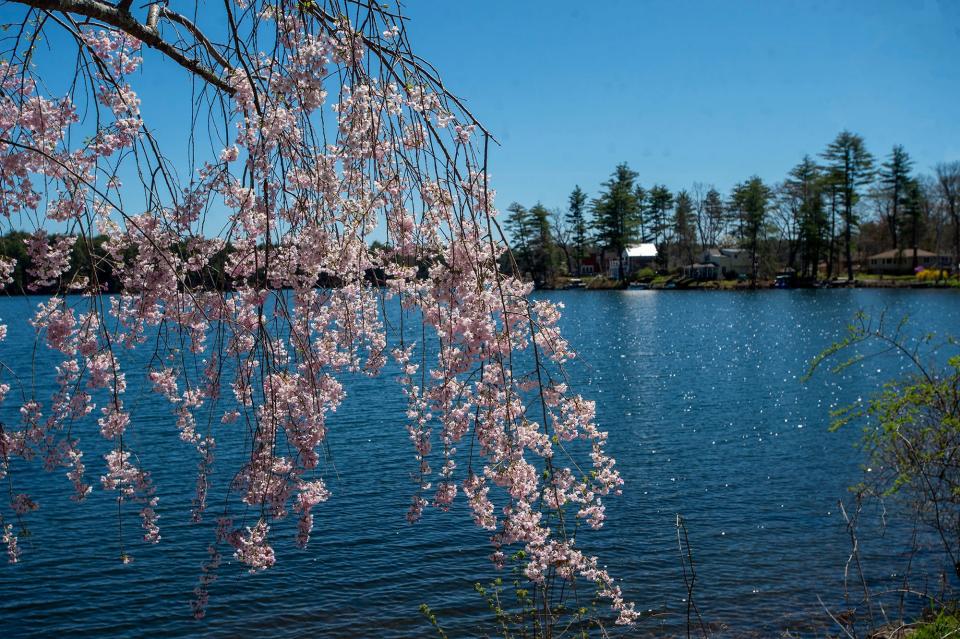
x=900, y=261
x=641, y=256
x=590, y=265
x=730, y=261
x=635, y=257
x=702, y=272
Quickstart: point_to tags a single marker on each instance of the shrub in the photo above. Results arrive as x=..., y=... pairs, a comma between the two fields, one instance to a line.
x=945, y=625
x=927, y=275
x=912, y=428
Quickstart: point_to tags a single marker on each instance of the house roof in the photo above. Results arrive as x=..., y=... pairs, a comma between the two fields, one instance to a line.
x=901, y=253
x=642, y=250
x=724, y=252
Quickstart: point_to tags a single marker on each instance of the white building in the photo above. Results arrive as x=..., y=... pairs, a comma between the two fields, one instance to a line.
x=730, y=261
x=636, y=257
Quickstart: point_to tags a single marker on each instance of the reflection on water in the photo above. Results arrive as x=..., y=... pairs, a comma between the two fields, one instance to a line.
x=701, y=394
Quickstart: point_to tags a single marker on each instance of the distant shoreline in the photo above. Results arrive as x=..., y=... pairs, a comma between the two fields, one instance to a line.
x=721, y=285
x=611, y=285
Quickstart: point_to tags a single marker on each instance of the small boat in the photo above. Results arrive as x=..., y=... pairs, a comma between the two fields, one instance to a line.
x=785, y=279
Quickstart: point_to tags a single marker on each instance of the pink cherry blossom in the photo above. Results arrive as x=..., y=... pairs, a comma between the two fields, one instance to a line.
x=328, y=134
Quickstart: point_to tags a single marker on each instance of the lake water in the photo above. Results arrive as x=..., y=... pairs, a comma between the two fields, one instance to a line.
x=708, y=418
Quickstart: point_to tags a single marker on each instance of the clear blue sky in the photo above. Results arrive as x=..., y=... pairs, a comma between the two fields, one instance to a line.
x=709, y=91
x=692, y=91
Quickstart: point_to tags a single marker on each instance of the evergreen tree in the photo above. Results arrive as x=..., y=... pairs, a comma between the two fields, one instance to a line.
x=576, y=218
x=894, y=178
x=852, y=164
x=751, y=199
x=534, y=248
x=805, y=184
x=830, y=182
x=715, y=214
x=13, y=247
x=544, y=257
x=914, y=206
x=519, y=224
x=640, y=194
x=684, y=229
x=616, y=214
x=659, y=203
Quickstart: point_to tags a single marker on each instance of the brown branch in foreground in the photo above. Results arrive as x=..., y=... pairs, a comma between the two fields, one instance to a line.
x=689, y=579
x=197, y=33
x=115, y=16
x=855, y=552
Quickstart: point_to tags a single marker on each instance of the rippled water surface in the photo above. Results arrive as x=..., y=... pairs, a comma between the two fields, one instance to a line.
x=707, y=416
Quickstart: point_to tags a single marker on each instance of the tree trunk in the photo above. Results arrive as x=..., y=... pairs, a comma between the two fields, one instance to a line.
x=848, y=241
x=831, y=248
x=955, y=215
x=848, y=231
x=815, y=265
x=892, y=221
x=915, y=242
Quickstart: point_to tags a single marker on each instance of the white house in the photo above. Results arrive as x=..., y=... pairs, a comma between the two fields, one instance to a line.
x=636, y=257
x=730, y=261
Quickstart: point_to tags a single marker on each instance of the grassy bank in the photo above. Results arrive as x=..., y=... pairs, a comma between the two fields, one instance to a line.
x=673, y=282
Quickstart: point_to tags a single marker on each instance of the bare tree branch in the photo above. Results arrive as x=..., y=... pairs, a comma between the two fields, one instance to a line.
x=192, y=28
x=120, y=18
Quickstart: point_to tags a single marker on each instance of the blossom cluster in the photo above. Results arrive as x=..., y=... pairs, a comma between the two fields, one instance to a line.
x=323, y=155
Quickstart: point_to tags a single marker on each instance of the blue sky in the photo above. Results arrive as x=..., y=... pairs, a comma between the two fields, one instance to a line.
x=692, y=91
x=683, y=91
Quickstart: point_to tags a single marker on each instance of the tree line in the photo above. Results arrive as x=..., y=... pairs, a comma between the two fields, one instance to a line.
x=91, y=266
x=826, y=215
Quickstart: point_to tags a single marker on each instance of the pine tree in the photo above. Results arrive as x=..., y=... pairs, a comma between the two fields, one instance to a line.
x=851, y=163
x=640, y=194
x=751, y=199
x=544, y=257
x=659, y=203
x=805, y=184
x=716, y=217
x=616, y=214
x=576, y=218
x=894, y=178
x=914, y=206
x=519, y=224
x=684, y=229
